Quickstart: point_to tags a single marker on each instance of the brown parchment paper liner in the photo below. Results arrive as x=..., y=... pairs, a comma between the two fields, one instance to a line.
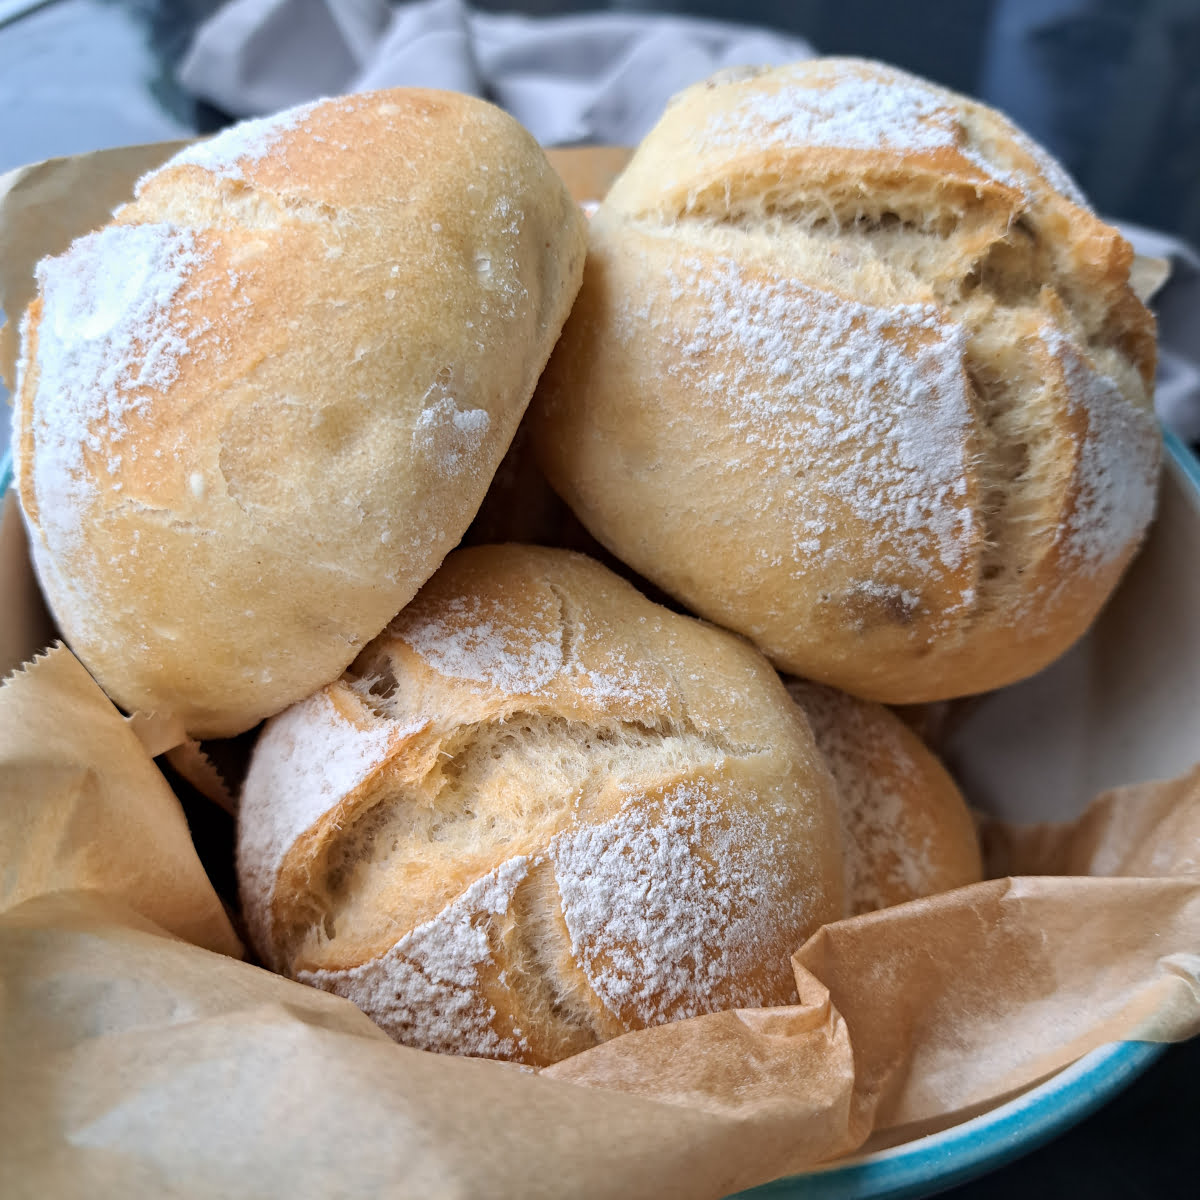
x=141, y=1057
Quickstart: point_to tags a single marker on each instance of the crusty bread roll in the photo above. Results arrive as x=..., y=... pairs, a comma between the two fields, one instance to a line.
x=906, y=830
x=537, y=812
x=855, y=372
x=256, y=410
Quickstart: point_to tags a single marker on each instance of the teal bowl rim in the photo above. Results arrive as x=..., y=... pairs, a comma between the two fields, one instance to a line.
x=1183, y=457
x=972, y=1148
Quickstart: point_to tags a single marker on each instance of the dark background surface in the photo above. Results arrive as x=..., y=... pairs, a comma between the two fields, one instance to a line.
x=1145, y=1144
x=1111, y=87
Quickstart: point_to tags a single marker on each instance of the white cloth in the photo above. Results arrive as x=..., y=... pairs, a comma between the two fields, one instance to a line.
x=1177, y=307
x=597, y=77
x=594, y=77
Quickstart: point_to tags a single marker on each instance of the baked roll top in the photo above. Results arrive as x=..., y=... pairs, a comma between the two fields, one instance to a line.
x=540, y=811
x=855, y=372
x=256, y=410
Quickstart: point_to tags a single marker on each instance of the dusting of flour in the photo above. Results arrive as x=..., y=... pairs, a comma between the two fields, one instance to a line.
x=473, y=639
x=1052, y=170
x=115, y=326
x=307, y=759
x=671, y=905
x=425, y=991
x=860, y=416
x=228, y=153
x=871, y=109
x=476, y=640
x=451, y=437
x=852, y=111
x=1117, y=485
x=884, y=856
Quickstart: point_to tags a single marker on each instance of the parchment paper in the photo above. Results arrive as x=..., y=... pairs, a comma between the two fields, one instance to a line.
x=141, y=1057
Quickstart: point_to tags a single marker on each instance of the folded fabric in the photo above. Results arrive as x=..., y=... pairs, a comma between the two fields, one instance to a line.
x=1177, y=307
x=591, y=77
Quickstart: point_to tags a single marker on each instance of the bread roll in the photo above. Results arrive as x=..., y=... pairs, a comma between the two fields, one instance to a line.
x=256, y=410
x=855, y=372
x=906, y=830
x=540, y=811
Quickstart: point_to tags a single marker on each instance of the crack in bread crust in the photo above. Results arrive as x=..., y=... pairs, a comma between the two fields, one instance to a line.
x=638, y=827
x=487, y=791
x=980, y=255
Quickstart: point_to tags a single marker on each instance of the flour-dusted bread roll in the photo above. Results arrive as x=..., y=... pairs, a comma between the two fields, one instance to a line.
x=256, y=410
x=856, y=372
x=906, y=830
x=540, y=811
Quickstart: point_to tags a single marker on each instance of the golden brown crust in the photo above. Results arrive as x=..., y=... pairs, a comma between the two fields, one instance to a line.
x=854, y=372
x=540, y=811
x=278, y=386
x=906, y=830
